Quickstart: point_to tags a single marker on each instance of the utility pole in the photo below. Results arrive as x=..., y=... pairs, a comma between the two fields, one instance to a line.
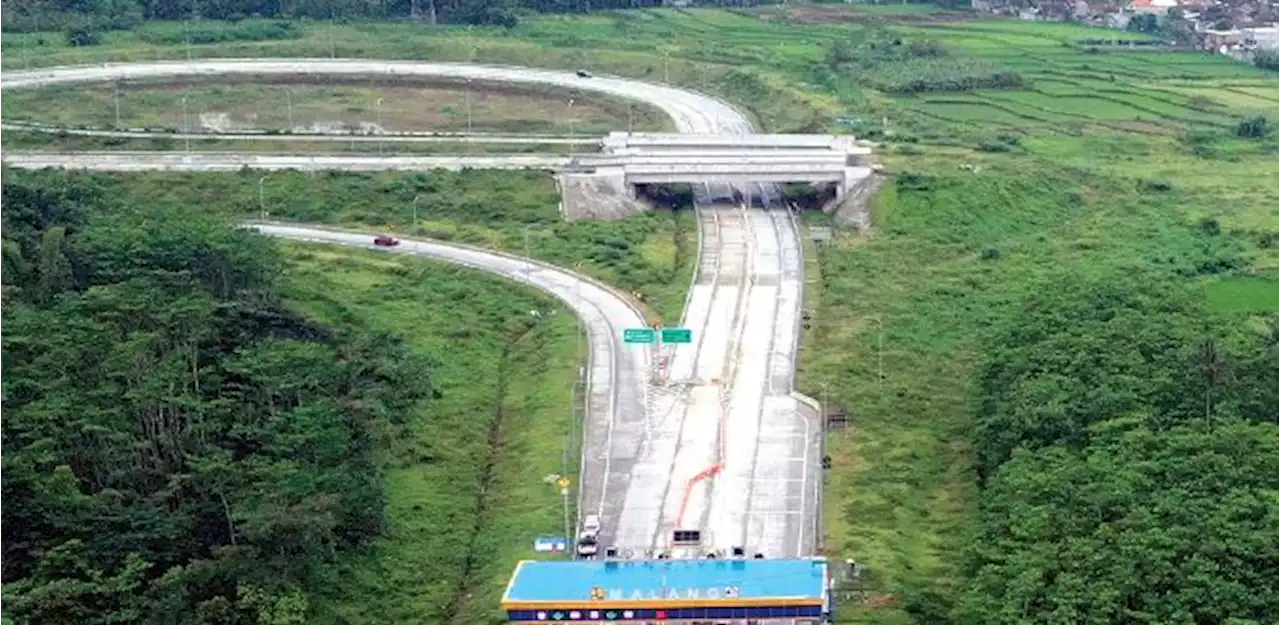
x=288, y=104
x=629, y=119
x=666, y=67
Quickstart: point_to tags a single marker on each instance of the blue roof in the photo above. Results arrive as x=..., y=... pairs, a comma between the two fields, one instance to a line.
x=573, y=582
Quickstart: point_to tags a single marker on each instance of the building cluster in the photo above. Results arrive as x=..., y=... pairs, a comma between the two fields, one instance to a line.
x=1234, y=27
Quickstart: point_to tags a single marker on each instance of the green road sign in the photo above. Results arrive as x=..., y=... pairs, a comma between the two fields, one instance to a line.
x=677, y=335
x=638, y=335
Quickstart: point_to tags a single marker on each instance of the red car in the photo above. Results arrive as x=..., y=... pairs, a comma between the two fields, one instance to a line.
x=386, y=241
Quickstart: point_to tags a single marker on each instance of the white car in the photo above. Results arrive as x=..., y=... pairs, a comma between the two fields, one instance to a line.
x=590, y=525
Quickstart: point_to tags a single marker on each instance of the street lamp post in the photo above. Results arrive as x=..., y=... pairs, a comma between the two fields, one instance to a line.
x=378, y=112
x=629, y=118
x=573, y=144
x=415, y=209
x=819, y=538
x=528, y=258
x=333, y=46
x=288, y=105
x=666, y=67
x=468, y=92
x=117, y=99
x=262, y=198
x=186, y=125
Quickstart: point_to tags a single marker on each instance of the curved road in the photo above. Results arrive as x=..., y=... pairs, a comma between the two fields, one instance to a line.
x=717, y=440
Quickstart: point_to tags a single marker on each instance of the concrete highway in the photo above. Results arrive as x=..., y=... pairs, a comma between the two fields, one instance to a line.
x=386, y=137
x=720, y=443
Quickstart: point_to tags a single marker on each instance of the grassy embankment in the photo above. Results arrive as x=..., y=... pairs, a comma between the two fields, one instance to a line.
x=465, y=492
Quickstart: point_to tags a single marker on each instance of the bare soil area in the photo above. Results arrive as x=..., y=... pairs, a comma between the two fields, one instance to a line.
x=335, y=104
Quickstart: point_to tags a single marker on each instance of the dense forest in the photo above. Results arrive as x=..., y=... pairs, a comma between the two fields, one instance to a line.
x=1126, y=445
x=179, y=447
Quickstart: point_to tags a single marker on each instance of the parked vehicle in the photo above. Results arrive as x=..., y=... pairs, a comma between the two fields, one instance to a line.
x=582, y=73
x=386, y=241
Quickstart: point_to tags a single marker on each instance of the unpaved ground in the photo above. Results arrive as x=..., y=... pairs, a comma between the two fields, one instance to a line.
x=309, y=104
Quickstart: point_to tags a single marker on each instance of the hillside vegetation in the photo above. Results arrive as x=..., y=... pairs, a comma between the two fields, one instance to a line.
x=178, y=442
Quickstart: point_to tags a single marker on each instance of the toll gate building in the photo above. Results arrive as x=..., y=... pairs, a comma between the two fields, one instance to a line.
x=668, y=590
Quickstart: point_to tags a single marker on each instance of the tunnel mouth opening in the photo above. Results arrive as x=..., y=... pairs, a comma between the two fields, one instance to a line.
x=673, y=197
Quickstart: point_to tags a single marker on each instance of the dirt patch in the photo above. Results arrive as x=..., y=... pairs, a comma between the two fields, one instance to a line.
x=334, y=103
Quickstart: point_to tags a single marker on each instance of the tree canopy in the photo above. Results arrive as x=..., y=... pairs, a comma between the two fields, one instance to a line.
x=180, y=447
x=1126, y=444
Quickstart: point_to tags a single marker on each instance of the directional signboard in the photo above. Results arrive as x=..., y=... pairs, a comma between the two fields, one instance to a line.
x=677, y=335
x=639, y=335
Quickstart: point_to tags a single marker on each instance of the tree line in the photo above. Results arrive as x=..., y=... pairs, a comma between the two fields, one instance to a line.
x=52, y=15
x=179, y=446
x=1126, y=455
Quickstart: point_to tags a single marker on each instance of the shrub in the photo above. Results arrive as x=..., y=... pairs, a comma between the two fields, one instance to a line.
x=1252, y=128
x=83, y=36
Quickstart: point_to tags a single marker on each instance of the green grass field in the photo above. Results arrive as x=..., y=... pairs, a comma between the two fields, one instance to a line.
x=504, y=420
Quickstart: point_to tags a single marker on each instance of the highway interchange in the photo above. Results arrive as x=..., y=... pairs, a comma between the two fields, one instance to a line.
x=709, y=435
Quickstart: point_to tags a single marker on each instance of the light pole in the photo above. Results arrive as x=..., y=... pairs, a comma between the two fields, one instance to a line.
x=378, y=112
x=116, y=94
x=666, y=67
x=262, y=198
x=288, y=106
x=415, y=209
x=818, y=537
x=568, y=532
x=629, y=118
x=573, y=144
x=333, y=46
x=528, y=258
x=186, y=125
x=468, y=94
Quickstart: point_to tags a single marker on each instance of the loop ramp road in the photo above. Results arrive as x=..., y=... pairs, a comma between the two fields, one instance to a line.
x=715, y=440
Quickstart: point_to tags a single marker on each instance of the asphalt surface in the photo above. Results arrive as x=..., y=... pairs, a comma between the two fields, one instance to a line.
x=724, y=407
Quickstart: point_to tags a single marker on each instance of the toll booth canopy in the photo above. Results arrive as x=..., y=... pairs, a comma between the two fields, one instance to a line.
x=667, y=590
